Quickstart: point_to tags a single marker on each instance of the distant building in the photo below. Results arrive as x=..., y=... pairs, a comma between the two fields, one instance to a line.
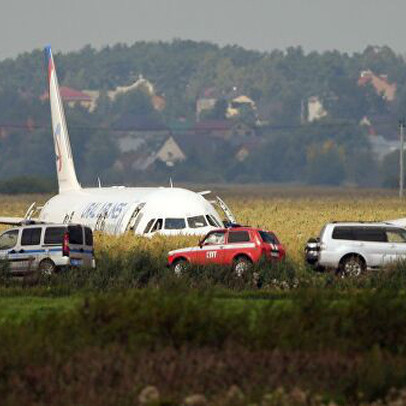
x=315, y=109
x=73, y=97
x=380, y=84
x=237, y=103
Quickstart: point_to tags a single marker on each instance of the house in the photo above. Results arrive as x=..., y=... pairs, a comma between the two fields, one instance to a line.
x=315, y=109
x=237, y=103
x=170, y=153
x=380, y=83
x=73, y=98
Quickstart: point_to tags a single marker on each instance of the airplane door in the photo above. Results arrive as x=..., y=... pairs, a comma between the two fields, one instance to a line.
x=135, y=218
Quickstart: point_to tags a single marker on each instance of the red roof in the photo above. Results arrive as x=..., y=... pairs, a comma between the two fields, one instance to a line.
x=68, y=94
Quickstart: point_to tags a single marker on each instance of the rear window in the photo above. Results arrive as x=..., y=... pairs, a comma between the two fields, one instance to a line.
x=197, y=222
x=238, y=236
x=175, y=224
x=371, y=234
x=31, y=236
x=269, y=238
x=75, y=235
x=54, y=235
x=88, y=236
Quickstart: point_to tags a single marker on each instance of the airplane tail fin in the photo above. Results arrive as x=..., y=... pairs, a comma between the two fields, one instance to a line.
x=65, y=166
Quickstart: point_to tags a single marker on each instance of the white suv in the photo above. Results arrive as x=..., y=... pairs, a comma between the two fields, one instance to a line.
x=352, y=248
x=46, y=247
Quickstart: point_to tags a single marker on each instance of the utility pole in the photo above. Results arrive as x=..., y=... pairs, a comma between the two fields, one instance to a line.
x=402, y=141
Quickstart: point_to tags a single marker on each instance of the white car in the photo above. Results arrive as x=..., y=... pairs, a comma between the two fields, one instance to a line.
x=46, y=248
x=352, y=248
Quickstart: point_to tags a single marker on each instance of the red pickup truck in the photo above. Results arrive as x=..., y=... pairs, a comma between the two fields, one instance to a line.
x=238, y=247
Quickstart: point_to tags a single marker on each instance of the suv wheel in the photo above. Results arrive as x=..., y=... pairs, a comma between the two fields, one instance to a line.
x=46, y=267
x=241, y=265
x=351, y=266
x=180, y=267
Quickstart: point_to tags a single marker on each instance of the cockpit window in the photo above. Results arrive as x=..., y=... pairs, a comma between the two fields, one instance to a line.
x=197, y=222
x=175, y=224
x=149, y=225
x=211, y=221
x=157, y=226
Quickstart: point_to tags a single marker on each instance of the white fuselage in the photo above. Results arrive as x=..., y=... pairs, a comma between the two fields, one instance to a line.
x=116, y=210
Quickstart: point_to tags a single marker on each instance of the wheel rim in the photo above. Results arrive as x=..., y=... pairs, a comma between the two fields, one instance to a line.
x=179, y=268
x=352, y=268
x=240, y=268
x=47, y=268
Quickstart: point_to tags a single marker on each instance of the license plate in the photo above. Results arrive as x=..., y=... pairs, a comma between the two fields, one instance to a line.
x=76, y=262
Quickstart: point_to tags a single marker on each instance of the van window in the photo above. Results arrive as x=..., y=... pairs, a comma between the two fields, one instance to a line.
x=88, y=236
x=31, y=236
x=238, y=236
x=8, y=239
x=371, y=234
x=197, y=222
x=175, y=224
x=75, y=235
x=54, y=235
x=149, y=225
x=343, y=233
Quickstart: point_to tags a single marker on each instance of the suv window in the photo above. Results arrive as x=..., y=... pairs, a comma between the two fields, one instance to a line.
x=75, y=235
x=268, y=237
x=396, y=235
x=217, y=237
x=8, y=239
x=31, y=236
x=238, y=236
x=54, y=235
x=88, y=236
x=371, y=234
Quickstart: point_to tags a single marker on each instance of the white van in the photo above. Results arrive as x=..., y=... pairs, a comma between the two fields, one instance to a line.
x=46, y=247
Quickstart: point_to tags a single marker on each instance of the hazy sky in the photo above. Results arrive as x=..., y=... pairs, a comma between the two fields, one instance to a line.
x=346, y=25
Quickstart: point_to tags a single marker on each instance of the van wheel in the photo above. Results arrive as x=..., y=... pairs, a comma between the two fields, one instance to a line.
x=241, y=265
x=180, y=267
x=351, y=266
x=46, y=267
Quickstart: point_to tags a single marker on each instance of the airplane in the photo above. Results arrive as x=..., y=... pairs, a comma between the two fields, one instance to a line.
x=117, y=209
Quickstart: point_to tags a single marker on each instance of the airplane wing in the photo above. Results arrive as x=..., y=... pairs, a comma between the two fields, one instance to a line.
x=11, y=221
x=18, y=221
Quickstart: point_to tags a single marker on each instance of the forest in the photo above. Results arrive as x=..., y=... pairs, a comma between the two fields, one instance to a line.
x=332, y=150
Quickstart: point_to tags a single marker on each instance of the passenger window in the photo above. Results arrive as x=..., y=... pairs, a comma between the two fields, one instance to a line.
x=149, y=225
x=342, y=233
x=75, y=235
x=31, y=236
x=197, y=222
x=175, y=224
x=238, y=236
x=215, y=238
x=157, y=226
x=370, y=234
x=396, y=235
x=54, y=235
x=8, y=239
x=88, y=236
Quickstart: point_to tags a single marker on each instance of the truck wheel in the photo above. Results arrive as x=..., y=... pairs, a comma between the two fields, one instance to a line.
x=241, y=265
x=46, y=267
x=351, y=266
x=180, y=266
